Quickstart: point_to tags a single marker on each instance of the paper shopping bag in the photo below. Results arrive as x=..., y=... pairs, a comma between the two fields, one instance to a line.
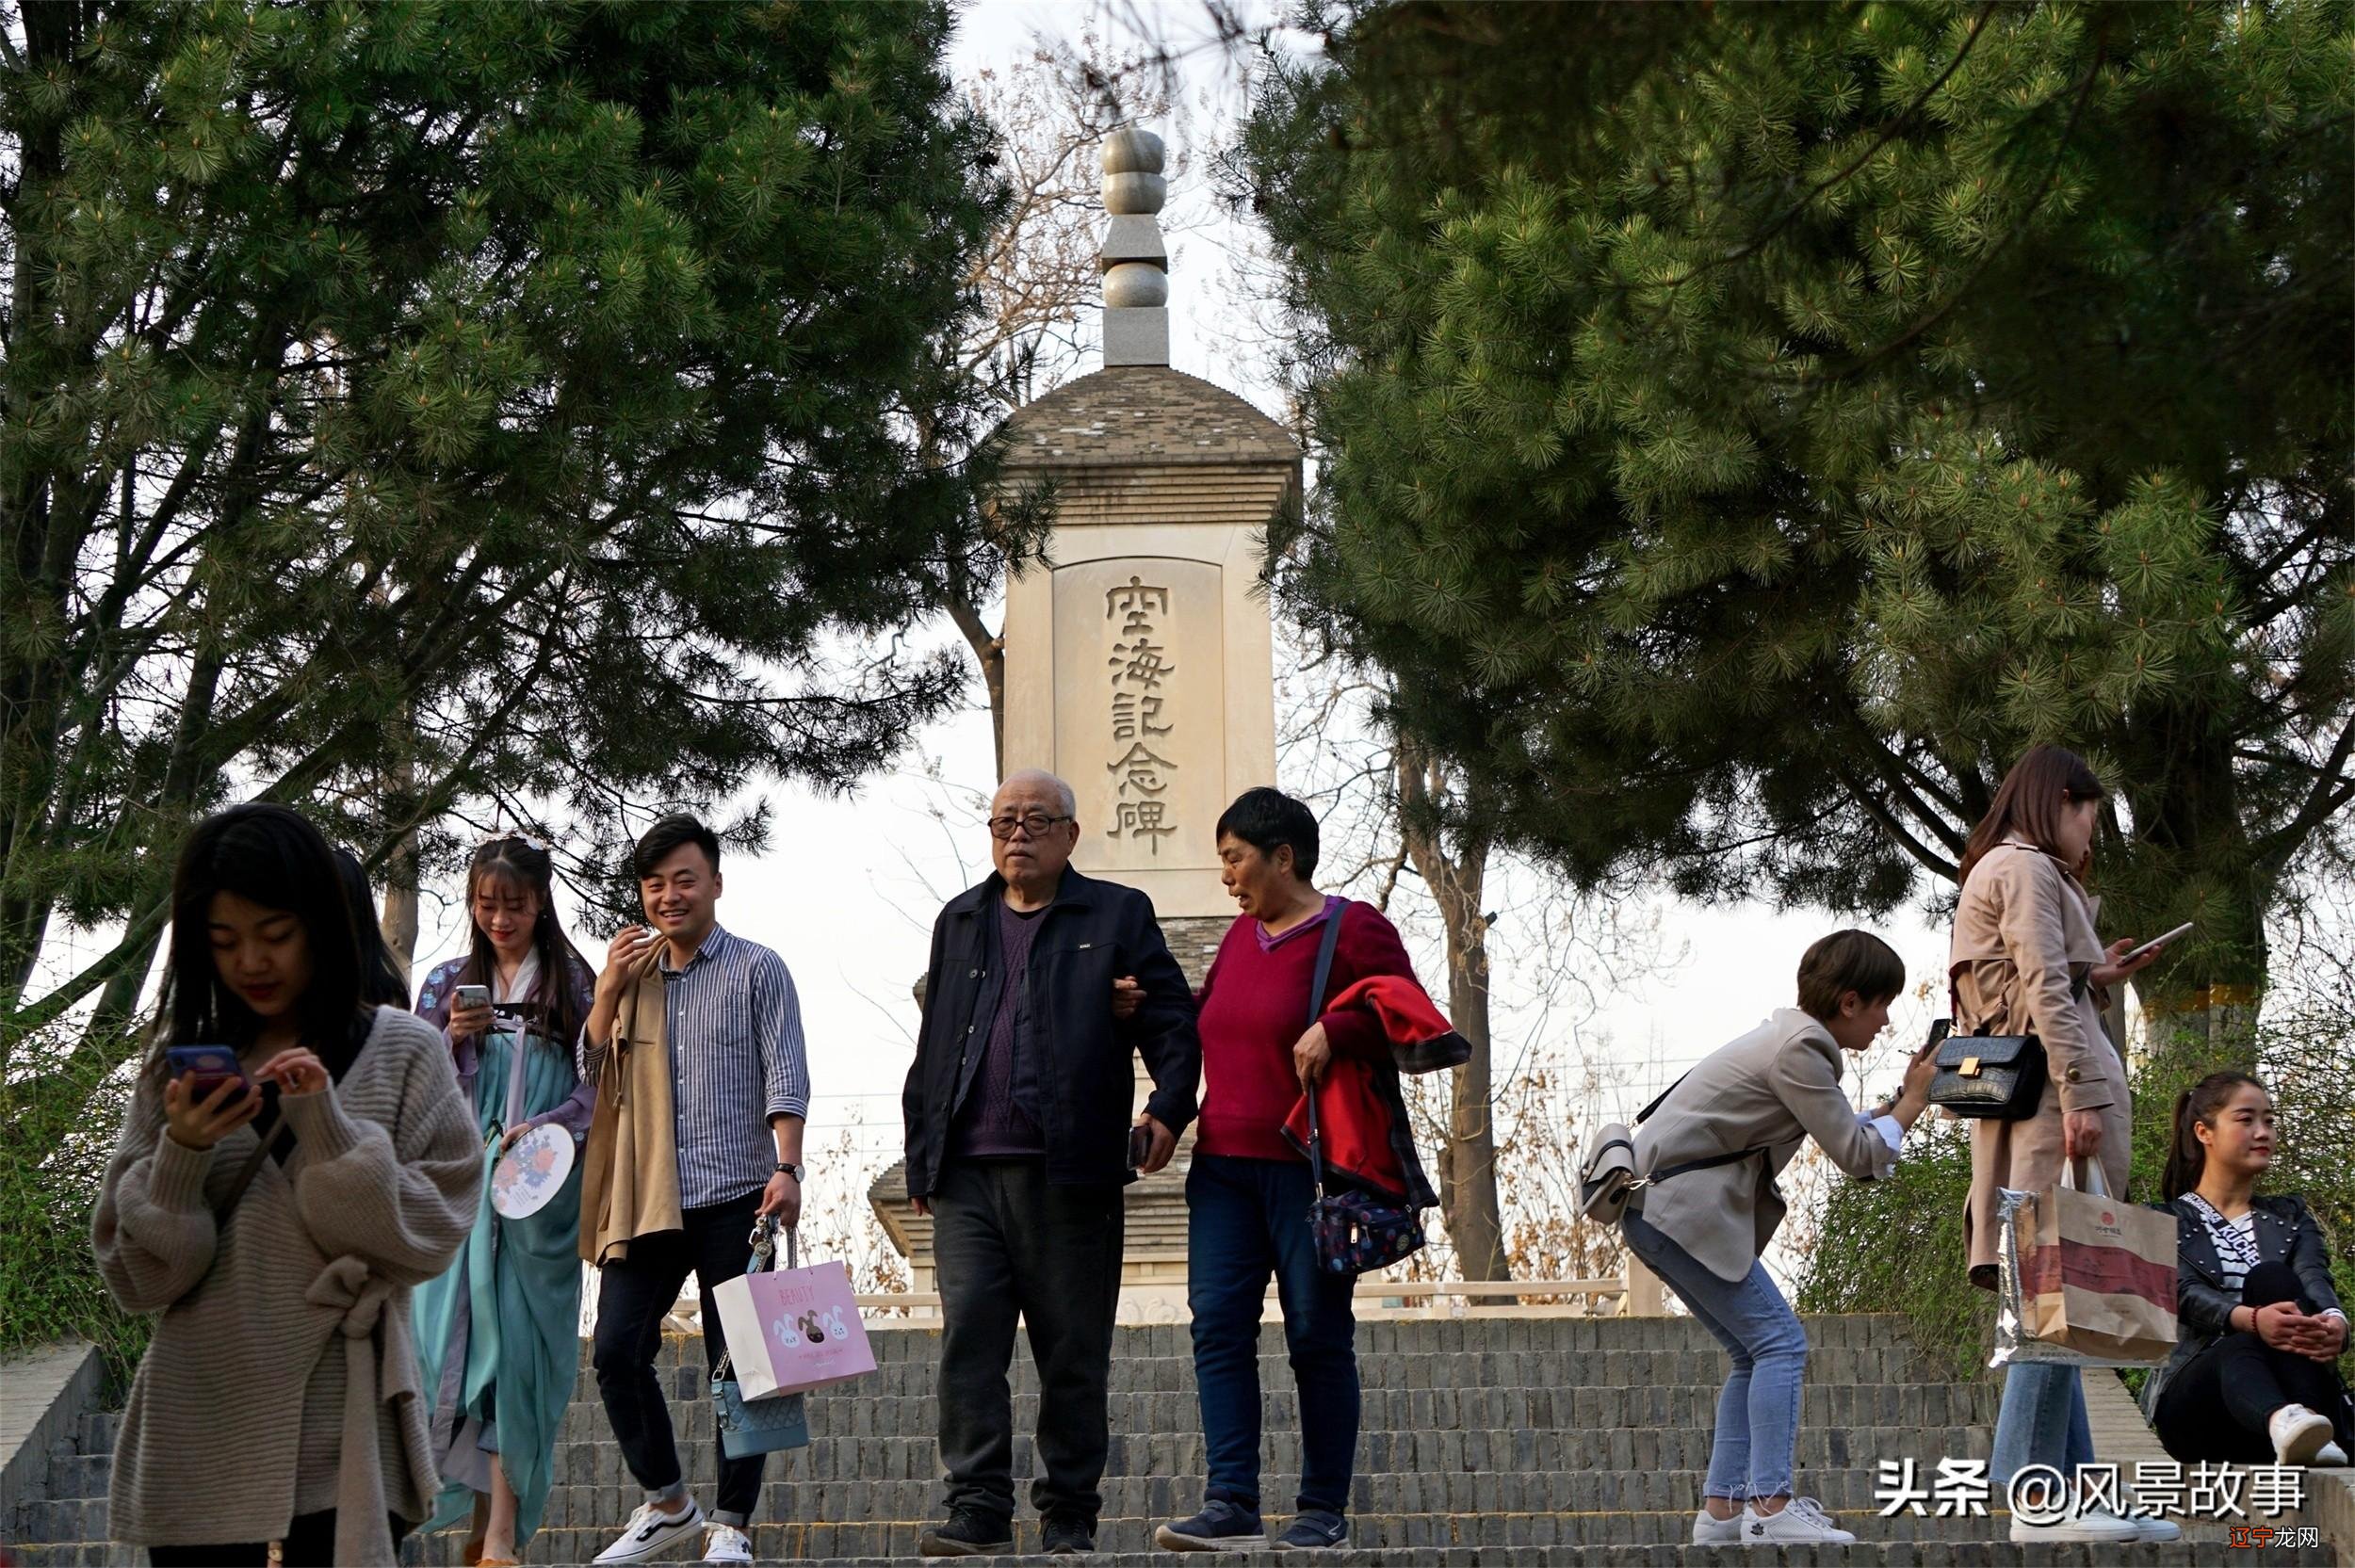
x=791, y=1329
x=2087, y=1279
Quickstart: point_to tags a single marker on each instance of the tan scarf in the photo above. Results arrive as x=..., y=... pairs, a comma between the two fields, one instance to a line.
x=629, y=1188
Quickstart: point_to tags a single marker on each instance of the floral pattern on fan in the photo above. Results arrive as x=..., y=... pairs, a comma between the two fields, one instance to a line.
x=532, y=1172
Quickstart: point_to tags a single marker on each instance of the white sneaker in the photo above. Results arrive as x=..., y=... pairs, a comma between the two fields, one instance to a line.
x=1709, y=1531
x=1801, y=1519
x=2094, y=1524
x=2330, y=1455
x=2298, y=1434
x=652, y=1532
x=2152, y=1530
x=726, y=1543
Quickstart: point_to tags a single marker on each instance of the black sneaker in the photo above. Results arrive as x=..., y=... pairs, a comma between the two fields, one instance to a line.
x=1066, y=1537
x=1221, y=1527
x=1314, y=1531
x=967, y=1534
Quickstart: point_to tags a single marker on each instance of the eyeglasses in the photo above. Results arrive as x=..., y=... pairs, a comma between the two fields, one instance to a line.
x=1034, y=823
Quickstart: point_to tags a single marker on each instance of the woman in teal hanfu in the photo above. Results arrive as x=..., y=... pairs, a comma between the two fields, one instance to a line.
x=499, y=1335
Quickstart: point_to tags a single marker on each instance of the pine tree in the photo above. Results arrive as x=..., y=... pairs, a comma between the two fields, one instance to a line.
x=514, y=401
x=1746, y=429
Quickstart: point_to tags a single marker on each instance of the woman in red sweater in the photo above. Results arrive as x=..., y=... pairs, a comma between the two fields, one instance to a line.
x=1249, y=1191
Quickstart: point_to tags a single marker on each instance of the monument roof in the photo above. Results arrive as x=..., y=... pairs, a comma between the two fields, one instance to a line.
x=1142, y=415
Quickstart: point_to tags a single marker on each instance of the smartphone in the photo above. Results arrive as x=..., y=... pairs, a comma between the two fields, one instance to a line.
x=2134, y=953
x=470, y=996
x=207, y=1067
x=1140, y=1147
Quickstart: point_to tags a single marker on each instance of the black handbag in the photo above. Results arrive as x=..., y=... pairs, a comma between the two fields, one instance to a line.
x=1354, y=1233
x=1996, y=1077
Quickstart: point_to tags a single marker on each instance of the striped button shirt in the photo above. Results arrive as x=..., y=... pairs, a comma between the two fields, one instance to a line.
x=734, y=1029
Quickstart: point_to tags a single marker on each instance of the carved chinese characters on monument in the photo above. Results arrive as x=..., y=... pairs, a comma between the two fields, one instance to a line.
x=1141, y=671
x=1140, y=711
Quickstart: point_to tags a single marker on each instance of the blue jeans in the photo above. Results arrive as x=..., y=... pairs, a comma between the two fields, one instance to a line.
x=2040, y=1421
x=1246, y=1219
x=1758, y=1411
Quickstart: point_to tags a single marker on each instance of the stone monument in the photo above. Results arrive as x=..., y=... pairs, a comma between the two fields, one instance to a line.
x=1138, y=662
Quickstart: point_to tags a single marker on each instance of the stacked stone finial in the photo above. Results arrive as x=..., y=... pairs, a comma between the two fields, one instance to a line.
x=1136, y=263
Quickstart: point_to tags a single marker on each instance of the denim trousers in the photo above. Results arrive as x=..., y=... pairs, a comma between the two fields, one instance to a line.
x=1758, y=1411
x=1245, y=1219
x=2041, y=1420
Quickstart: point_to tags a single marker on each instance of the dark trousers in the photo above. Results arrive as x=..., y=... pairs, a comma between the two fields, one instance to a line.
x=1008, y=1243
x=2218, y=1406
x=1246, y=1219
x=310, y=1544
x=633, y=1294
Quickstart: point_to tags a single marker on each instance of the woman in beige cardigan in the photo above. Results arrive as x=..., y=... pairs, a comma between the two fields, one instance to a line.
x=279, y=1398
x=2025, y=960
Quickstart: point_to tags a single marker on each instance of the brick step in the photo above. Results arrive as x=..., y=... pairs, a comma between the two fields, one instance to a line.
x=842, y=1413
x=442, y=1551
x=85, y=1475
x=608, y=1499
x=1429, y=1336
x=1437, y=1369
x=2200, y=1549
x=858, y=1518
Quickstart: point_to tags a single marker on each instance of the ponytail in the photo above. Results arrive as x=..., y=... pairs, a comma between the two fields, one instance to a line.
x=2196, y=1106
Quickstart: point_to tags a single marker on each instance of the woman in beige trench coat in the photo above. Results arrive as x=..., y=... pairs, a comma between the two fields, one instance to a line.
x=2026, y=958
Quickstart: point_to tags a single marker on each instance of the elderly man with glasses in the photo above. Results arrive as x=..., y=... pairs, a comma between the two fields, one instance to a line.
x=1018, y=1144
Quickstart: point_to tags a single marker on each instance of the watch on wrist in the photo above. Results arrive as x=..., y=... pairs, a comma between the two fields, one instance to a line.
x=786, y=1168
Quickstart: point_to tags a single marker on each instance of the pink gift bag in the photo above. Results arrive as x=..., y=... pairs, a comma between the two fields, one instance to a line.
x=791, y=1329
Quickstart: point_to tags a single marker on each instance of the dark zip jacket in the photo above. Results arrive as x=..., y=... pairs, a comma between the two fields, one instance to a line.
x=1076, y=1083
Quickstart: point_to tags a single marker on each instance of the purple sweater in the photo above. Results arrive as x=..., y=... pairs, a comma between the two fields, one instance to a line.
x=992, y=1125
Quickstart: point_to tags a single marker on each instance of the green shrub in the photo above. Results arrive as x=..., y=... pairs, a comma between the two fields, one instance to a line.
x=1897, y=1246
x=57, y=1125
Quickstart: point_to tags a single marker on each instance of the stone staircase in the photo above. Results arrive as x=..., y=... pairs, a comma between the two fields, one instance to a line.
x=1490, y=1441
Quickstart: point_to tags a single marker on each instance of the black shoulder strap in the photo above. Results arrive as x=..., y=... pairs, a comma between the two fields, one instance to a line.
x=247, y=1172
x=1324, y=977
x=1320, y=979
x=1645, y=1115
x=1710, y=1163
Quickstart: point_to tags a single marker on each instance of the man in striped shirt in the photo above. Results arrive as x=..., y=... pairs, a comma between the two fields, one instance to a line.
x=740, y=1093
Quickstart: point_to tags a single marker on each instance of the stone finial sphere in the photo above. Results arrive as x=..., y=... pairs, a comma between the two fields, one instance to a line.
x=1133, y=173
x=1139, y=194
x=1132, y=149
x=1132, y=284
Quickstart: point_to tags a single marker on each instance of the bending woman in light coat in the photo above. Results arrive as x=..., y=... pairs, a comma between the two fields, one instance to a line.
x=1708, y=1153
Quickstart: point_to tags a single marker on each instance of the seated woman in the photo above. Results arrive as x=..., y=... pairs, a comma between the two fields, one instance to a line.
x=2253, y=1376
